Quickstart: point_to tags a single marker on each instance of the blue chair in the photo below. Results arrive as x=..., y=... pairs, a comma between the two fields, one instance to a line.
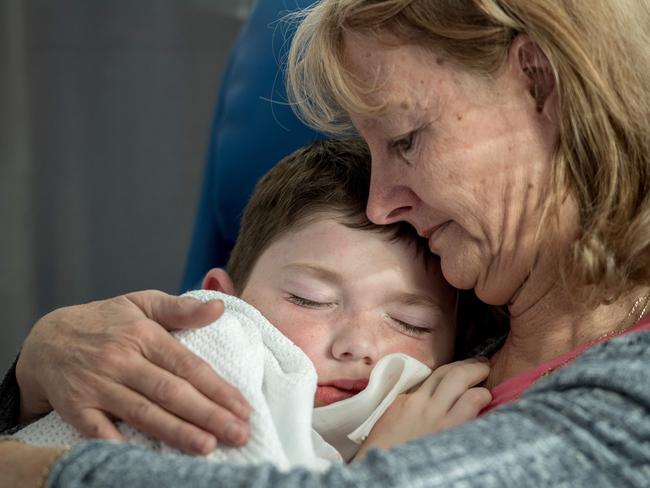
x=253, y=128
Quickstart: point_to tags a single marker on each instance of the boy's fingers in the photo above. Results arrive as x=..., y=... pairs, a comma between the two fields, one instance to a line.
x=468, y=406
x=459, y=375
x=174, y=312
x=95, y=424
x=181, y=399
x=443, y=390
x=462, y=376
x=172, y=356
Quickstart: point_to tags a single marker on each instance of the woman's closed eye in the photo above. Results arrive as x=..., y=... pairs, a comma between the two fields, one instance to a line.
x=407, y=144
x=403, y=145
x=306, y=302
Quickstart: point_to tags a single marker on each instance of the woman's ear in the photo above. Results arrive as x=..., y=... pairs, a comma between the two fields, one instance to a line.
x=535, y=66
x=218, y=279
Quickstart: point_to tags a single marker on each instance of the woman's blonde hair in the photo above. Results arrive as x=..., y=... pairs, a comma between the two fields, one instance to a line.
x=599, y=51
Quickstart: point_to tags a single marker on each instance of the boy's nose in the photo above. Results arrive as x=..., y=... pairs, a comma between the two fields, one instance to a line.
x=355, y=342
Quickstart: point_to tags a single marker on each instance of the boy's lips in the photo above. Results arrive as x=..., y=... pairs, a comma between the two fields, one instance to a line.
x=335, y=391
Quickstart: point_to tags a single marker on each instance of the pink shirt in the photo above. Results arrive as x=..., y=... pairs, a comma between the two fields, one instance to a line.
x=513, y=388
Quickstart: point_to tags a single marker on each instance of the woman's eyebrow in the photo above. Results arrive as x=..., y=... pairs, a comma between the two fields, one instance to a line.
x=316, y=271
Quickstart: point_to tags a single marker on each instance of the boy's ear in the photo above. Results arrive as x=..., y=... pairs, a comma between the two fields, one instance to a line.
x=218, y=279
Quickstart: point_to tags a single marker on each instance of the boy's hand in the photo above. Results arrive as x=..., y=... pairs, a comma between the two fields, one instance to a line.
x=447, y=398
x=115, y=359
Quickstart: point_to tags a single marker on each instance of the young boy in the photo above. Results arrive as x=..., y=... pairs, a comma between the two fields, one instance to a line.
x=346, y=292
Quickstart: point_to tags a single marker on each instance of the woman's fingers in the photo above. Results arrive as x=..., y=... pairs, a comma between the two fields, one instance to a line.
x=146, y=416
x=172, y=356
x=95, y=424
x=79, y=358
x=178, y=397
x=173, y=312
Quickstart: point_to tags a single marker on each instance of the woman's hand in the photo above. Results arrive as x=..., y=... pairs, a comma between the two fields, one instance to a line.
x=447, y=398
x=116, y=359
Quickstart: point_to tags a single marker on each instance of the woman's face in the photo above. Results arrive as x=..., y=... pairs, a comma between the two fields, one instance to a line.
x=464, y=159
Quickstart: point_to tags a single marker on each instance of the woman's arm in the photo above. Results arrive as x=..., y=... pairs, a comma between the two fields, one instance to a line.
x=586, y=425
x=25, y=465
x=115, y=358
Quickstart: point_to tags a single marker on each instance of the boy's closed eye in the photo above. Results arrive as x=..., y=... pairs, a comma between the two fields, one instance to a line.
x=402, y=325
x=409, y=328
x=306, y=302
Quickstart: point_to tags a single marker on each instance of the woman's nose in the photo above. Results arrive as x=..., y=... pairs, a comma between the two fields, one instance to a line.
x=388, y=200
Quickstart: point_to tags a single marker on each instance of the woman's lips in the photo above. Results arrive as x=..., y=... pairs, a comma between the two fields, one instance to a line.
x=335, y=391
x=432, y=233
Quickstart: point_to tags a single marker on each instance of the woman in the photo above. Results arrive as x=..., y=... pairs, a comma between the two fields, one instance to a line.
x=513, y=135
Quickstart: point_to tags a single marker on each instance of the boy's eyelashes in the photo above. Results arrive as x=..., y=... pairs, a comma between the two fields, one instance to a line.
x=403, y=326
x=306, y=302
x=410, y=328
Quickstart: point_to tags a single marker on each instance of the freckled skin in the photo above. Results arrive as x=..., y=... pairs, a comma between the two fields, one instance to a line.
x=346, y=338
x=480, y=158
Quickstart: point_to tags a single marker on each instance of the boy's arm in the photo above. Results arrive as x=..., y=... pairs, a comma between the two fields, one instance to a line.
x=447, y=398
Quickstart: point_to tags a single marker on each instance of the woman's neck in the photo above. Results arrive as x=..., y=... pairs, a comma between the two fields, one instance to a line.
x=546, y=323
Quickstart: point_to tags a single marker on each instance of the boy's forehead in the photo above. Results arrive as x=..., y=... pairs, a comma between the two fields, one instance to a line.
x=334, y=247
x=310, y=229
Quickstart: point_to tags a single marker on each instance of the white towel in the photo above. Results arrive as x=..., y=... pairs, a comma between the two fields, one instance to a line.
x=346, y=424
x=279, y=381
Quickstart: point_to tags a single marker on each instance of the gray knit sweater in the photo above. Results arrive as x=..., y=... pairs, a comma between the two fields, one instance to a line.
x=585, y=425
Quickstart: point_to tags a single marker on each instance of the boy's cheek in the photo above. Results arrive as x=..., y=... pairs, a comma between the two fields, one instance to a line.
x=422, y=351
x=302, y=331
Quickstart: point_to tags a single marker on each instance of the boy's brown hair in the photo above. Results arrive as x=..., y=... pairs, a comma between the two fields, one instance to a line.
x=325, y=177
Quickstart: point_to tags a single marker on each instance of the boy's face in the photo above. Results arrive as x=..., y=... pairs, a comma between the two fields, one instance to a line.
x=347, y=298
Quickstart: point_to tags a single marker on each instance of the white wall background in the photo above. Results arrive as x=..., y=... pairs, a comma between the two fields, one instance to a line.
x=105, y=109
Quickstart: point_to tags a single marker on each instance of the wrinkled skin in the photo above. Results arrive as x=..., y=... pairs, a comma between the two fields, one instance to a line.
x=116, y=359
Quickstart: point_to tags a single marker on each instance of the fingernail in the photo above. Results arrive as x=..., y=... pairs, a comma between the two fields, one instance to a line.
x=483, y=359
x=235, y=433
x=239, y=409
x=203, y=444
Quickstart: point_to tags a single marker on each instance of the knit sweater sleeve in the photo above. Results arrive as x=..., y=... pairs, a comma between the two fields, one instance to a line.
x=585, y=425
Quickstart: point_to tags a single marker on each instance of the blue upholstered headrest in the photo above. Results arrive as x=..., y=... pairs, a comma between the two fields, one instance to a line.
x=252, y=130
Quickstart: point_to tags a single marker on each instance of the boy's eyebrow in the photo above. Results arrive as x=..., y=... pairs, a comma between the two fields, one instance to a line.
x=408, y=298
x=317, y=271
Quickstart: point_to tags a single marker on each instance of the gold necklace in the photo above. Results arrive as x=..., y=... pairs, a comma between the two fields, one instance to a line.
x=632, y=318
